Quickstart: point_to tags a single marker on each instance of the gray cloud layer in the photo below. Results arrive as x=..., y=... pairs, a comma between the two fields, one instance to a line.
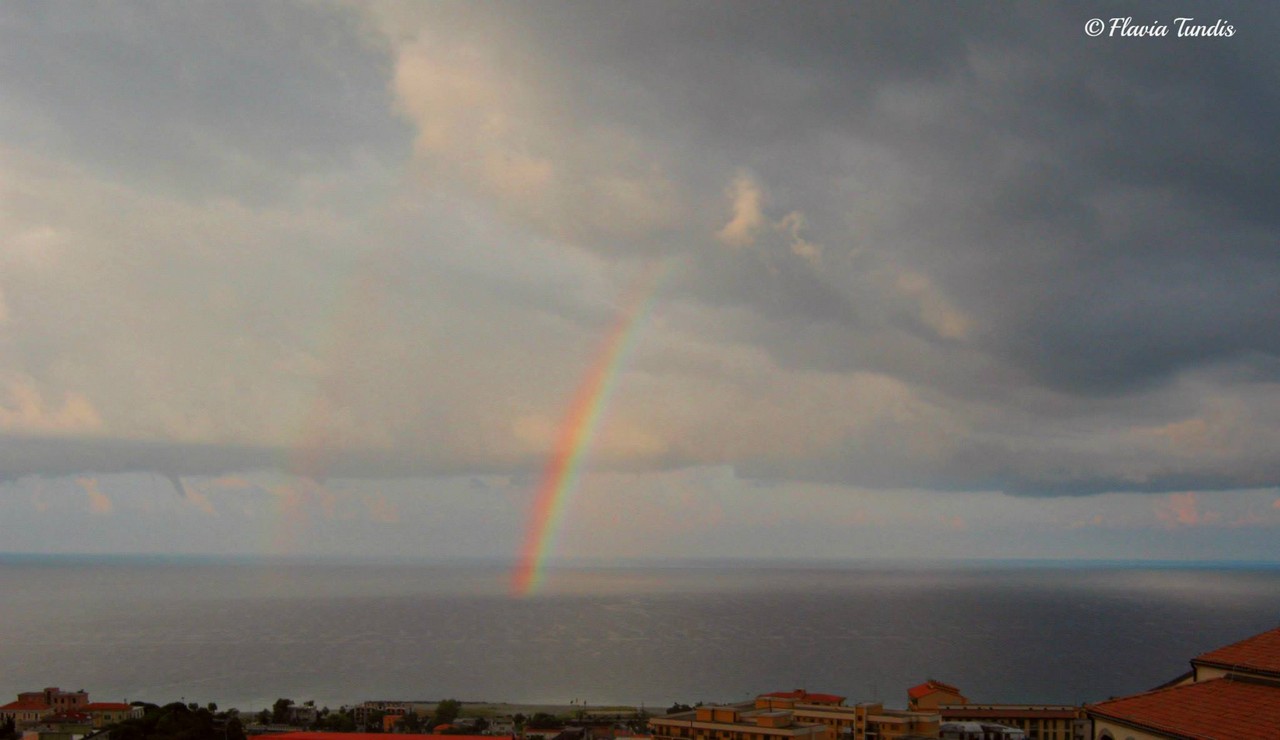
x=952, y=247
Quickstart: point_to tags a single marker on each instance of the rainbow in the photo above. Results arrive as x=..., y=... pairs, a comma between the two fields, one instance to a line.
x=560, y=475
x=352, y=316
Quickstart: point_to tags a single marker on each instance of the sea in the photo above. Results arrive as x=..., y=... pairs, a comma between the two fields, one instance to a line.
x=244, y=633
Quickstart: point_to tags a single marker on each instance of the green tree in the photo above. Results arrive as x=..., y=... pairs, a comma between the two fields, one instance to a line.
x=412, y=722
x=233, y=729
x=542, y=721
x=341, y=720
x=280, y=711
x=447, y=711
x=176, y=721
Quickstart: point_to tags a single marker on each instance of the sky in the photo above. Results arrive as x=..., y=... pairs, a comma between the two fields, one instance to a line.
x=805, y=280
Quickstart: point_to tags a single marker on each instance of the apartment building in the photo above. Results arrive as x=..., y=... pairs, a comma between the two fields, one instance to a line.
x=863, y=721
x=931, y=694
x=365, y=712
x=37, y=706
x=103, y=713
x=735, y=722
x=879, y=723
x=1036, y=721
x=1231, y=692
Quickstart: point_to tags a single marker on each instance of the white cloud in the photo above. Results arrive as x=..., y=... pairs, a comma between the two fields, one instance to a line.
x=746, y=202
x=933, y=308
x=98, y=501
x=508, y=136
x=25, y=410
x=792, y=225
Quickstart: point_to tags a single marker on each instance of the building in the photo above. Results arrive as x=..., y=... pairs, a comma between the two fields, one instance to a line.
x=875, y=722
x=931, y=694
x=1036, y=721
x=1231, y=692
x=24, y=712
x=301, y=715
x=979, y=731
x=33, y=707
x=737, y=722
x=366, y=736
x=102, y=714
x=863, y=721
x=368, y=713
x=815, y=709
x=800, y=696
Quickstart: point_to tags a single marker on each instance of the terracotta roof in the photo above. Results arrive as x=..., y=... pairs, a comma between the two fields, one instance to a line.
x=1218, y=708
x=1260, y=654
x=105, y=706
x=801, y=694
x=23, y=706
x=930, y=686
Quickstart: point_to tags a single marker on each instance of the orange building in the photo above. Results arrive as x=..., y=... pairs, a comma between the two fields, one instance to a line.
x=878, y=723
x=1232, y=692
x=741, y=722
x=1038, y=721
x=367, y=736
x=25, y=712
x=37, y=706
x=931, y=694
x=863, y=721
x=800, y=696
x=109, y=713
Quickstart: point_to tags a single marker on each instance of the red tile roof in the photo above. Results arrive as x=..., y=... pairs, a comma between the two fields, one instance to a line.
x=930, y=686
x=24, y=706
x=1259, y=654
x=1218, y=708
x=802, y=695
x=105, y=706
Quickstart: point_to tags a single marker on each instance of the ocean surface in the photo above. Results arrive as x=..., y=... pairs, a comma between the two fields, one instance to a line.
x=244, y=633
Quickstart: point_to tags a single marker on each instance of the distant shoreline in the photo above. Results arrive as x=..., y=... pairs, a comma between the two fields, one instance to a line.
x=125, y=558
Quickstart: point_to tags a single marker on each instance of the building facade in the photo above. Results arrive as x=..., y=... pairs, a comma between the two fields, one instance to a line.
x=931, y=694
x=1036, y=721
x=1232, y=692
x=862, y=721
x=33, y=707
x=739, y=722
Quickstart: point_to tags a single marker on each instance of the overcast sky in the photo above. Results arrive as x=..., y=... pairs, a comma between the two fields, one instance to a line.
x=934, y=280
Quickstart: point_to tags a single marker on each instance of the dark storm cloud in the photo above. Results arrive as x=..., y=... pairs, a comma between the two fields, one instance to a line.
x=1101, y=207
x=222, y=100
x=1056, y=254
x=23, y=456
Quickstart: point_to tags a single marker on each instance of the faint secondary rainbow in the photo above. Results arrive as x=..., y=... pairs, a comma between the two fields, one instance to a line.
x=353, y=315
x=560, y=475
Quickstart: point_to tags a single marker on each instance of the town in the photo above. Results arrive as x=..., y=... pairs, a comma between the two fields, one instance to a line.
x=1230, y=692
